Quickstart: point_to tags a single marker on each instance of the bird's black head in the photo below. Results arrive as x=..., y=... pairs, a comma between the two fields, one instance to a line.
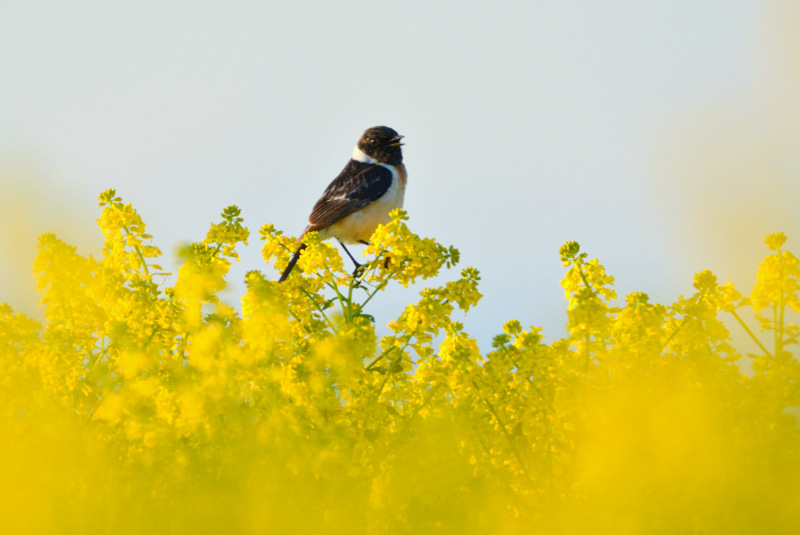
x=382, y=144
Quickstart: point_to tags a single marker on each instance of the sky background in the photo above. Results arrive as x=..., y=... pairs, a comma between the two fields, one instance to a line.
x=664, y=137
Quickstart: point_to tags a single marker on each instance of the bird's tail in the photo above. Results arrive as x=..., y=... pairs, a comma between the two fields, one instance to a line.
x=292, y=262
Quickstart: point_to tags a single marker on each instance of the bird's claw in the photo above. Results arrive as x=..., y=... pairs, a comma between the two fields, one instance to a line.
x=359, y=270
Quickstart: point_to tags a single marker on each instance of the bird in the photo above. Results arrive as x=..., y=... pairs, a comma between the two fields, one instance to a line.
x=371, y=185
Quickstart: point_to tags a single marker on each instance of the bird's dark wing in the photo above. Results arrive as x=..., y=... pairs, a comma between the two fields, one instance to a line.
x=356, y=186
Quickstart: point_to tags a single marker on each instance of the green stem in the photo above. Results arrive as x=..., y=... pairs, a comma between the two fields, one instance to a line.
x=377, y=289
x=150, y=338
x=775, y=334
x=319, y=308
x=138, y=251
x=383, y=385
x=378, y=358
x=343, y=302
x=753, y=336
x=584, y=279
x=510, y=439
x=387, y=351
x=671, y=336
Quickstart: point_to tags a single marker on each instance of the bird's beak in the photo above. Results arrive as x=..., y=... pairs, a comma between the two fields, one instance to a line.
x=396, y=141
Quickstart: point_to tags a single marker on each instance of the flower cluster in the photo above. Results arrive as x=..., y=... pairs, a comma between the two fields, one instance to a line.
x=144, y=403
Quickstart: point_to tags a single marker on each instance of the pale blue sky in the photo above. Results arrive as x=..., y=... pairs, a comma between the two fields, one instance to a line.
x=662, y=136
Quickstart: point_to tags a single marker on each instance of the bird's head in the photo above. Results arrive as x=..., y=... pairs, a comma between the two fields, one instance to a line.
x=382, y=144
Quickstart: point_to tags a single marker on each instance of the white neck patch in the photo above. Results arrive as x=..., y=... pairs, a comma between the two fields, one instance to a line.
x=360, y=156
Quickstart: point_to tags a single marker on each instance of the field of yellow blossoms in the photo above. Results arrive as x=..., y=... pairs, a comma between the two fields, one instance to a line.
x=137, y=406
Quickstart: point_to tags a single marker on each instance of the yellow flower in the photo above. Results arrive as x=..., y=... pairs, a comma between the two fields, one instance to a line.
x=137, y=388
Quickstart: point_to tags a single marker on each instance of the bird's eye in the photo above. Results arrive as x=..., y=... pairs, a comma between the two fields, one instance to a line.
x=372, y=141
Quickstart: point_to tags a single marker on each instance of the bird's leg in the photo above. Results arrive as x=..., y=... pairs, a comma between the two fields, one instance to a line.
x=358, y=266
x=292, y=262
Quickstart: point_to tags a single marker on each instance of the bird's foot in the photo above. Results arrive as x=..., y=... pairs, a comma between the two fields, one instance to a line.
x=359, y=270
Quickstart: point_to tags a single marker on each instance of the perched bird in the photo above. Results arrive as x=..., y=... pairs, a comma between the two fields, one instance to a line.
x=371, y=185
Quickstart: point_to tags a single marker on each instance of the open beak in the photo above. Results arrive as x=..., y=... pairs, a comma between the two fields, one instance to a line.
x=396, y=141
